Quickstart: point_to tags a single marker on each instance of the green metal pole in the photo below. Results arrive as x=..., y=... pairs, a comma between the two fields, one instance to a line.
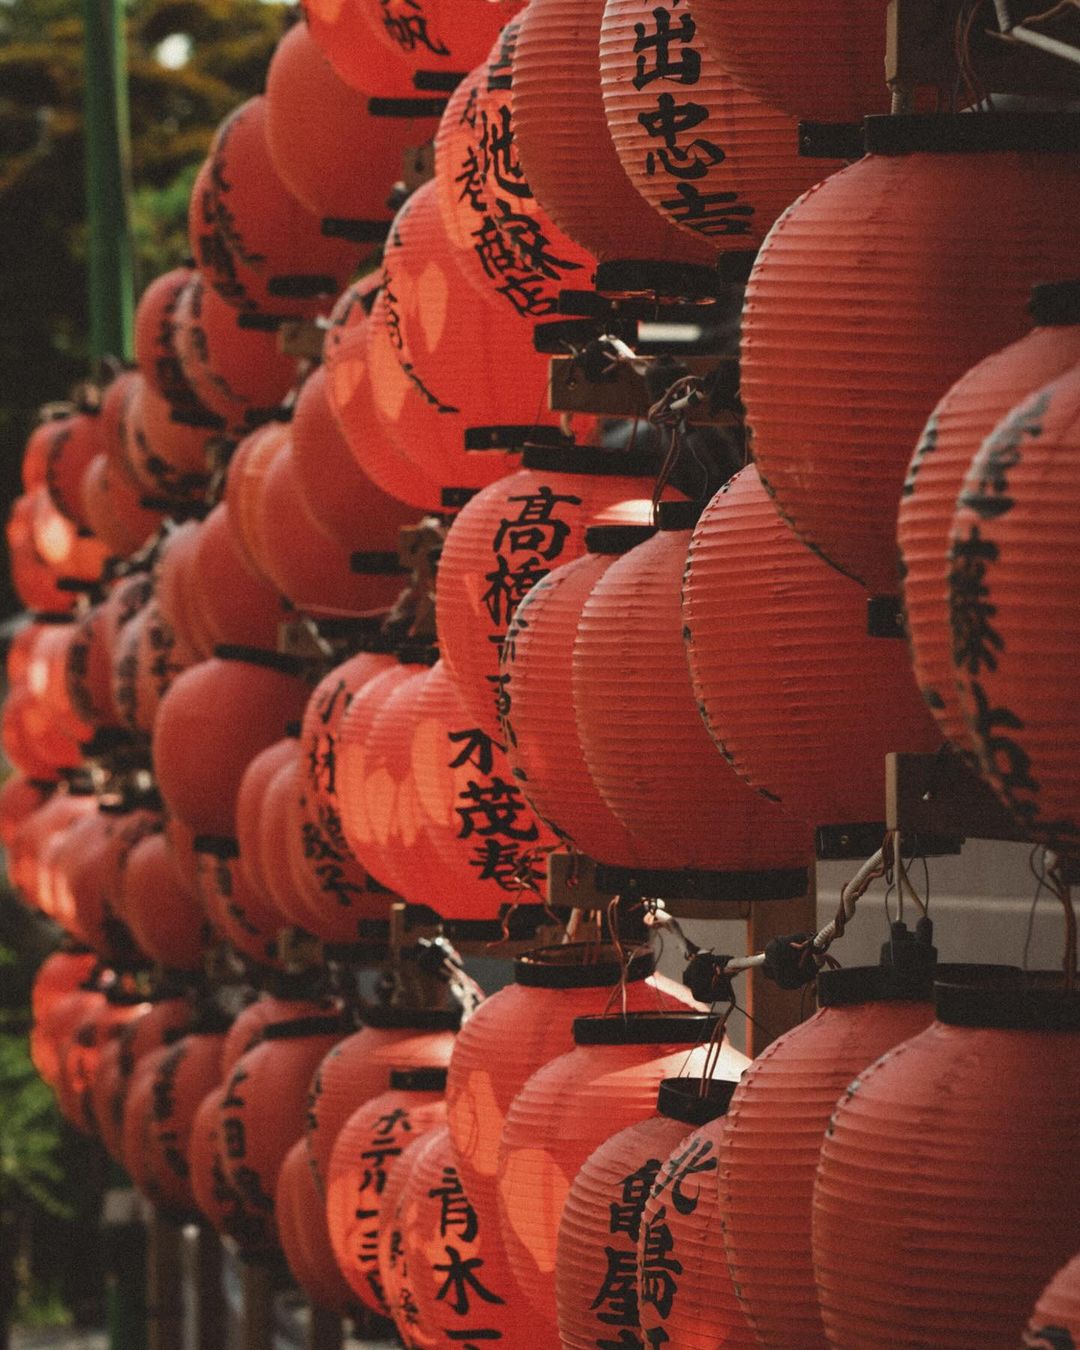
x=108, y=171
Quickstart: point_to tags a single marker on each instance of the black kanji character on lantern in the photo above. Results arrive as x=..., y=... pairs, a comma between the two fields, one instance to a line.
x=618, y=1293
x=655, y=58
x=975, y=641
x=498, y=150
x=471, y=179
x=1009, y=761
x=627, y=1341
x=506, y=865
x=411, y=30
x=656, y=1336
x=536, y=528
x=328, y=704
x=494, y=809
x=625, y=1215
x=456, y=1215
x=234, y=1137
x=709, y=213
x=398, y=1120
x=333, y=881
x=658, y=1267
x=990, y=499
x=461, y=1276
x=506, y=588
x=477, y=749
x=322, y=762
x=697, y=1158
x=249, y=1187
x=529, y=243
x=667, y=122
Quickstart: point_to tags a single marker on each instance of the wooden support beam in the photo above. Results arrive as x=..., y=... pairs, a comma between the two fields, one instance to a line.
x=775, y=1010
x=165, y=1293
x=257, y=1308
x=625, y=393
x=939, y=794
x=325, y=1330
x=211, y=1313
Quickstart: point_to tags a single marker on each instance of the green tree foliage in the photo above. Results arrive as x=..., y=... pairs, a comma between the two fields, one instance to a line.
x=43, y=309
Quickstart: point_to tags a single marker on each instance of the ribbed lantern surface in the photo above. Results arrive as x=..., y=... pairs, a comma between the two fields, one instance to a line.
x=823, y=62
x=190, y=1070
x=235, y=604
x=1014, y=627
x=112, y=505
x=367, y=1146
x=955, y=430
x=645, y=744
x=160, y=908
x=245, y=916
x=289, y=889
x=947, y=1191
x=393, y=1267
x=155, y=349
x=173, y=587
x=703, y=152
x=167, y=458
x=1055, y=1323
x=247, y=1030
x=506, y=539
x=214, y=1194
x=304, y=1237
x=880, y=255
x=768, y=1153
x=783, y=669
x=570, y=1106
x=250, y=809
x=566, y=149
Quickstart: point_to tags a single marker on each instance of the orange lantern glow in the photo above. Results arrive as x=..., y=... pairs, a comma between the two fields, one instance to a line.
x=214, y=719
x=304, y=1237
x=644, y=742
x=235, y=604
x=909, y=1245
x=46, y=676
x=1055, y=1323
x=174, y=587
x=358, y=1070
x=60, y=974
x=596, y=1284
x=75, y=554
x=394, y=1274
x=245, y=917
x=505, y=540
x=155, y=345
x=30, y=740
x=1010, y=648
x=187, y=1072
x=168, y=457
x=569, y=1107
x=250, y=808
x=961, y=421
x=367, y=1145
x=819, y=417
x=160, y=908
x=73, y=442
x=214, y=1195
x=782, y=666
x=34, y=580
x=113, y=509
x=54, y=1029
x=286, y=1005
x=20, y=797
x=80, y=1055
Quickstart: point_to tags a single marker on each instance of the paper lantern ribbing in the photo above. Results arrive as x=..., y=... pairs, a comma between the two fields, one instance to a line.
x=89, y=665
x=505, y=540
x=155, y=345
x=245, y=917
x=817, y=62
x=1055, y=1323
x=262, y=1113
x=330, y=152
x=112, y=506
x=214, y=1195
x=34, y=579
x=148, y=656
x=46, y=677
x=566, y=149
x=596, y=1281
x=776, y=1123
x=162, y=1022
x=366, y=1147
x=681, y=1226
x=234, y=604
x=62, y=545
x=518, y=1030
x=190, y=1070
x=304, y=1237
x=848, y=411
x=568, y=1108
x=248, y=1028
x=644, y=742
x=394, y=1273
x=962, y=1253
x=161, y=910
x=358, y=1069
x=1013, y=630
x=287, y=892
x=703, y=152
x=213, y=720
x=783, y=668
x=957, y=427
x=342, y=500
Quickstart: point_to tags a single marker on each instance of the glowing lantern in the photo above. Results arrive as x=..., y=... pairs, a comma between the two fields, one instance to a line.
x=601, y=1225
x=73, y=443
x=1011, y=678
x=250, y=809
x=821, y=62
x=330, y=152
x=186, y=1073
x=168, y=457
x=783, y=669
x=46, y=677
x=60, y=974
x=175, y=587
x=394, y=1274
x=214, y=719
x=160, y=908
x=235, y=604
x=566, y=149
x=69, y=549
x=155, y=345
x=304, y=1237
x=367, y=1145
x=112, y=506
x=245, y=917
x=358, y=1069
x=31, y=742
x=1055, y=1323
x=505, y=540
x=709, y=156
x=34, y=580
x=80, y=1055
x=849, y=412
x=569, y=1107
x=287, y=1005
x=138, y=1111
x=909, y=1245
x=956, y=428
x=213, y=1193
x=90, y=900
x=19, y=798
x=52, y=1031
x=644, y=742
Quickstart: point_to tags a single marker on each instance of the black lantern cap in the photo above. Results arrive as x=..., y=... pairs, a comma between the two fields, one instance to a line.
x=1055, y=304
x=578, y=965
x=616, y=539
x=412, y=1019
x=1035, y=1002
x=972, y=133
x=694, y=1102
x=430, y=1078
x=645, y=1028
x=883, y=984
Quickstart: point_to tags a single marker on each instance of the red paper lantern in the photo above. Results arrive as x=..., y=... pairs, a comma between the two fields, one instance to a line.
x=367, y=410
x=30, y=740
x=20, y=797
x=304, y=1237
x=518, y=1030
x=817, y=62
x=711, y=157
x=235, y=604
x=263, y=1110
x=90, y=902
x=947, y=1190
x=46, y=677
x=681, y=1224
x=174, y=587
x=73, y=442
x=155, y=345
x=783, y=669
x=36, y=453
x=1012, y=627
x=137, y=1115
x=775, y=1127
x=284, y=263
x=601, y=1226
x=211, y=723
x=288, y=1005
x=394, y=1274
x=342, y=500
x=366, y=1147
x=505, y=540
x=329, y=150
x=188, y=1071
x=250, y=806
x=160, y=908
x=147, y=658
x=80, y=1057
x=358, y=1070
x=168, y=457
x=566, y=149
x=243, y=490
x=112, y=506
x=52, y=1031
x=491, y=847
x=115, y=416
x=1055, y=1323
x=60, y=974
x=569, y=1107
x=644, y=742
x=851, y=410
x=214, y=1195
x=286, y=893
x=75, y=554
x=245, y=917
x=90, y=656
x=34, y=580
